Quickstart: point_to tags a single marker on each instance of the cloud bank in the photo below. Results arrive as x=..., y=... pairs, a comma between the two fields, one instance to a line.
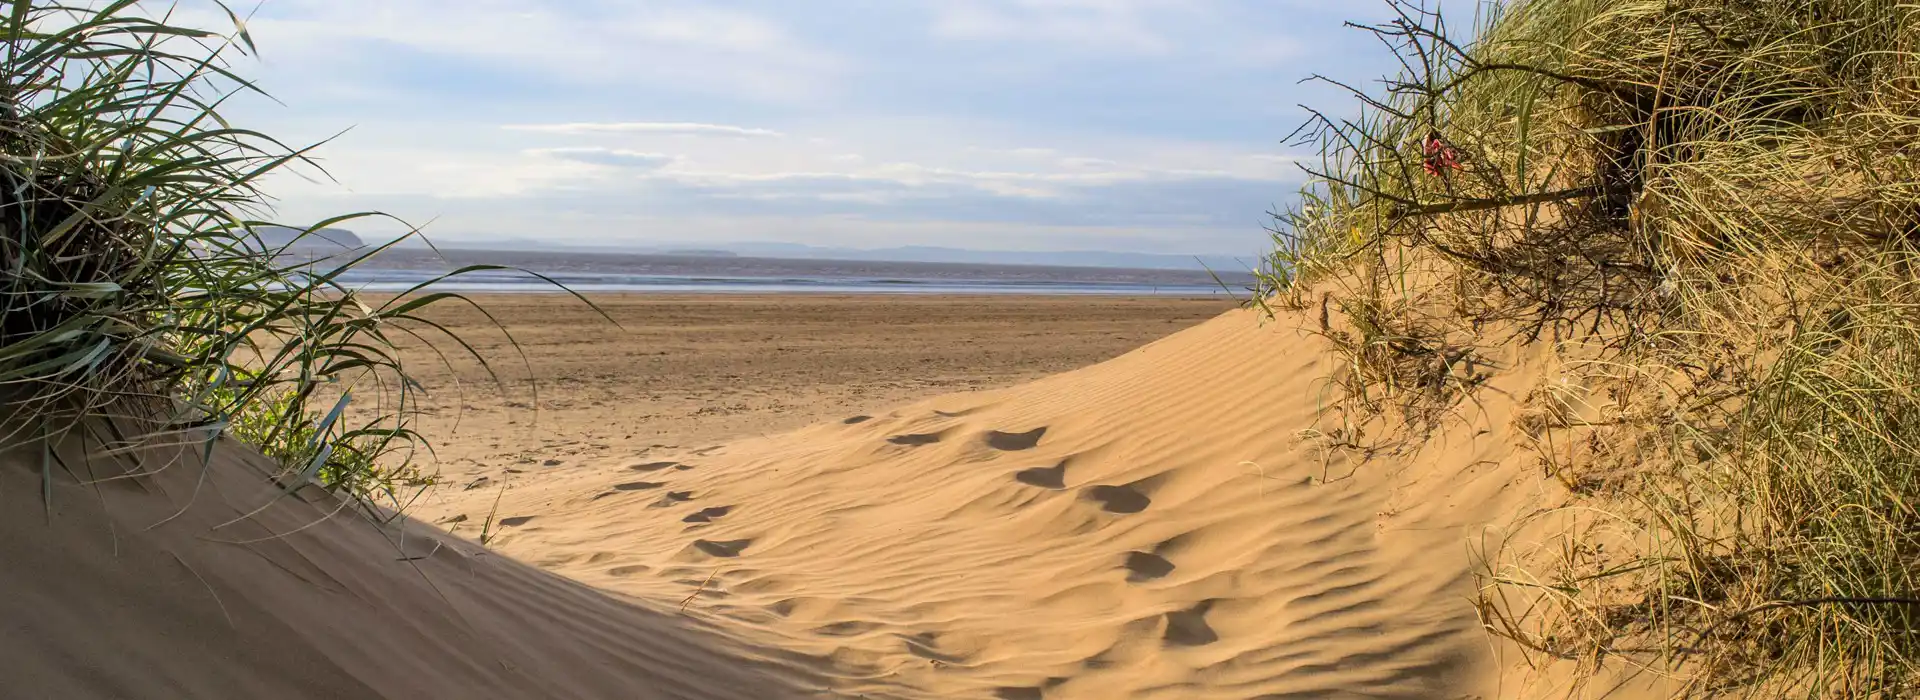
x=1142, y=125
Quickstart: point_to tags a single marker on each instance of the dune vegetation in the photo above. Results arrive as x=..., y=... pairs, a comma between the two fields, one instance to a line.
x=134, y=286
x=1708, y=211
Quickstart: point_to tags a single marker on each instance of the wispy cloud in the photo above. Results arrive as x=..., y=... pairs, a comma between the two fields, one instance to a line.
x=612, y=157
x=1216, y=30
x=663, y=128
x=666, y=43
x=1107, y=25
x=1153, y=122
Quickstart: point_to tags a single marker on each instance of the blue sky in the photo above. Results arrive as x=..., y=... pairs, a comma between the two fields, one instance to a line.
x=1134, y=125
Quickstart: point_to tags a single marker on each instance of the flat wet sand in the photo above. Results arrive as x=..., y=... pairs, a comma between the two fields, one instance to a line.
x=680, y=372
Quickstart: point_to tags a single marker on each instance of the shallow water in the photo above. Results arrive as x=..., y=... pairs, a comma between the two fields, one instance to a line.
x=400, y=269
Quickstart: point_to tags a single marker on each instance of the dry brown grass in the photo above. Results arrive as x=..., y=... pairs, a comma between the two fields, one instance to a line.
x=1711, y=209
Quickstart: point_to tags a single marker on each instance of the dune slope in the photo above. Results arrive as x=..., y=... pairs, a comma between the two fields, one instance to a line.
x=197, y=582
x=1153, y=526
x=1163, y=525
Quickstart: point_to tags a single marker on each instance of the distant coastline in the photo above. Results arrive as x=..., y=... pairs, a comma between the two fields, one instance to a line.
x=695, y=272
x=910, y=254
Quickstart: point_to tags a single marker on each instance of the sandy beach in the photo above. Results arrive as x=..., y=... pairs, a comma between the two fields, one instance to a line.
x=1576, y=358
x=684, y=372
x=1155, y=525
x=887, y=503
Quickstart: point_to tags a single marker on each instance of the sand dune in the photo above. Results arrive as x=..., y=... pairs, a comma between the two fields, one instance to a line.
x=196, y=582
x=1155, y=526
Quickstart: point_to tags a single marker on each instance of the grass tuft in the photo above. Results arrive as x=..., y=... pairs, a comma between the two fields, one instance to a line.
x=132, y=284
x=1710, y=210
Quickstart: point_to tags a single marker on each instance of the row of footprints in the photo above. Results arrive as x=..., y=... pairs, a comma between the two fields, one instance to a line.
x=1182, y=627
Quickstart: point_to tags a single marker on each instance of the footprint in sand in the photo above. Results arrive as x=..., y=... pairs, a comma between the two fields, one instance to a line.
x=516, y=521
x=856, y=420
x=672, y=498
x=627, y=487
x=1146, y=566
x=915, y=440
x=849, y=628
x=722, y=548
x=1015, y=442
x=1054, y=477
x=1018, y=694
x=926, y=645
x=625, y=571
x=1188, y=628
x=1119, y=499
x=653, y=466
x=707, y=515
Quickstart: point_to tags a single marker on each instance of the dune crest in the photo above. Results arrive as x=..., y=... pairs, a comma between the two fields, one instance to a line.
x=1153, y=526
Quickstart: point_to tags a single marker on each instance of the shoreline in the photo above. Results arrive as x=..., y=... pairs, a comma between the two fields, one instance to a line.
x=880, y=291
x=530, y=271
x=835, y=293
x=826, y=294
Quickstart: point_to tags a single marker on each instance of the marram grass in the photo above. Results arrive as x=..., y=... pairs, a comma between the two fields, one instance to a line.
x=1712, y=209
x=131, y=286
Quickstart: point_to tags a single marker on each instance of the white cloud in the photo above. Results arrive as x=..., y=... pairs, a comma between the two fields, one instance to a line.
x=1087, y=162
x=494, y=115
x=427, y=172
x=612, y=157
x=1106, y=25
x=1214, y=29
x=663, y=128
x=906, y=181
x=679, y=44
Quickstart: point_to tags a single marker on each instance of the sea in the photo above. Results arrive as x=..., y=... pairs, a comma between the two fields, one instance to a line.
x=401, y=269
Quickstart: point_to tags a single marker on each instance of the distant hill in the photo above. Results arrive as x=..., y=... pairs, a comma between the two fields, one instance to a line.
x=329, y=239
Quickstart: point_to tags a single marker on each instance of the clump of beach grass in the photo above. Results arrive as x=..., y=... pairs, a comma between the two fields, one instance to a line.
x=133, y=291
x=1711, y=208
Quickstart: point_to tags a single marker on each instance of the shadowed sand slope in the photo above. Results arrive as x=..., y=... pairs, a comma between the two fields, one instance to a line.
x=1157, y=526
x=196, y=582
